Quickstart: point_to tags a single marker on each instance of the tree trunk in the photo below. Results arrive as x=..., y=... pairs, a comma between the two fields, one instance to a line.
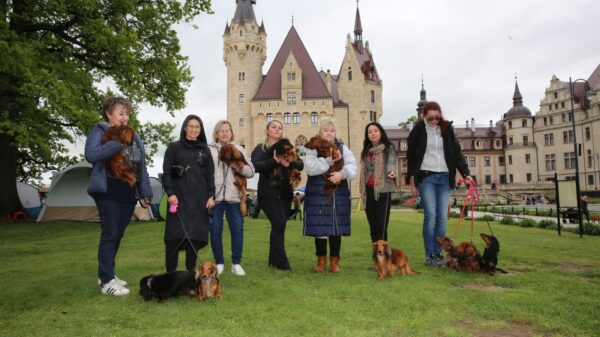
x=9, y=198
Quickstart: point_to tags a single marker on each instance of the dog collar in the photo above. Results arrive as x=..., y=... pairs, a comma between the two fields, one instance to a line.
x=149, y=282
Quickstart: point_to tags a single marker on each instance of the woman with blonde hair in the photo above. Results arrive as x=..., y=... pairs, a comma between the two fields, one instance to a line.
x=275, y=191
x=328, y=216
x=227, y=200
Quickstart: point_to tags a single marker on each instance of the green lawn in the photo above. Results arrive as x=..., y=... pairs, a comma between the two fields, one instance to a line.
x=48, y=287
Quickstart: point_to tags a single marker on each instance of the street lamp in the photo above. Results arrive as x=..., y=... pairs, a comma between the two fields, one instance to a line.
x=584, y=100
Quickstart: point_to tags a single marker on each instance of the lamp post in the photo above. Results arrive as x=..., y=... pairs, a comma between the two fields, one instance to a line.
x=583, y=103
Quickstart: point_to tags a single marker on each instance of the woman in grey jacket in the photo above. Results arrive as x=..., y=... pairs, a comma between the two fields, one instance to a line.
x=377, y=179
x=227, y=201
x=114, y=198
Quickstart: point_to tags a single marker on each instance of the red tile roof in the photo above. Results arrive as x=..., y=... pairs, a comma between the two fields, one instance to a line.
x=312, y=84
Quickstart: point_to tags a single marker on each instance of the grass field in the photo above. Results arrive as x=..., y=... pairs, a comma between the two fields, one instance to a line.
x=49, y=271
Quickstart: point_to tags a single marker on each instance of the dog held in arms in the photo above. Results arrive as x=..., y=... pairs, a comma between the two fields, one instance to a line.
x=466, y=257
x=232, y=157
x=117, y=166
x=207, y=276
x=327, y=149
x=286, y=151
x=390, y=261
x=168, y=285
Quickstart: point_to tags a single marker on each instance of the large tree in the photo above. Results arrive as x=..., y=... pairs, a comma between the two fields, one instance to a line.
x=58, y=57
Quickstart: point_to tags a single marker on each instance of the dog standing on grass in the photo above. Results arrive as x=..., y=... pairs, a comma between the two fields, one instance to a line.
x=390, y=261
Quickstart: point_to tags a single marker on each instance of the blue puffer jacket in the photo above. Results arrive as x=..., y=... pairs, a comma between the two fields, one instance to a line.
x=328, y=215
x=96, y=153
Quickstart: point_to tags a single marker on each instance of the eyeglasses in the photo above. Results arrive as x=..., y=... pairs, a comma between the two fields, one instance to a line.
x=434, y=118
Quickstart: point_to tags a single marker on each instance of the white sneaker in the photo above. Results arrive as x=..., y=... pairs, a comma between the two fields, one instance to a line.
x=120, y=282
x=220, y=268
x=112, y=288
x=238, y=270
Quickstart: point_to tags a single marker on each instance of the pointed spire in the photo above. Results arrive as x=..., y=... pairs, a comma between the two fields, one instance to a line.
x=244, y=12
x=423, y=99
x=517, y=98
x=358, y=30
x=227, y=29
x=261, y=29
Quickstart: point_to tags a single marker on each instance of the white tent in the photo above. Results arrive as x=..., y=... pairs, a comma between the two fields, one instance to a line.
x=30, y=198
x=67, y=198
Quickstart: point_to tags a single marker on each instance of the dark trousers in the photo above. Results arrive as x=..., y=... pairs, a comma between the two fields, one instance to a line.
x=335, y=243
x=172, y=248
x=378, y=214
x=114, y=218
x=278, y=212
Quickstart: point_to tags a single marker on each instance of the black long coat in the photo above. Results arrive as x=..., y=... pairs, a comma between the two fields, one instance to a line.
x=192, y=189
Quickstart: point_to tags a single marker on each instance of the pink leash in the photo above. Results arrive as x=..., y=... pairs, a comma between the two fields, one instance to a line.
x=472, y=198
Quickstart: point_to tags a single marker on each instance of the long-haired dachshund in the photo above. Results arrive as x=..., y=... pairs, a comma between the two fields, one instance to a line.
x=489, y=259
x=390, y=261
x=207, y=276
x=117, y=166
x=286, y=151
x=327, y=149
x=464, y=257
x=231, y=156
x=168, y=285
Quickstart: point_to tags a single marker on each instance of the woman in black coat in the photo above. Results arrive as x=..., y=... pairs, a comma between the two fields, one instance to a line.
x=188, y=179
x=275, y=193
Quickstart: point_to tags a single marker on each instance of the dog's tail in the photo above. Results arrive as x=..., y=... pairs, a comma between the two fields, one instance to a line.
x=410, y=271
x=501, y=270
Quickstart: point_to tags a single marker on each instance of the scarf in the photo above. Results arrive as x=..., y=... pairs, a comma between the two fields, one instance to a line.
x=378, y=174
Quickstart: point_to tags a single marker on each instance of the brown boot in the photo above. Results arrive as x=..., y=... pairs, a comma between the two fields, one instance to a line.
x=334, y=264
x=321, y=261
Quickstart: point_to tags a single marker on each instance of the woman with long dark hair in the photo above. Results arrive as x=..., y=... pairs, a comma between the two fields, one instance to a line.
x=377, y=179
x=433, y=157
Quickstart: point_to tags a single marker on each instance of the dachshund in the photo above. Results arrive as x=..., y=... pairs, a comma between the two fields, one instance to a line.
x=327, y=149
x=390, y=261
x=207, y=276
x=117, y=166
x=231, y=156
x=286, y=151
x=168, y=285
x=489, y=259
x=464, y=257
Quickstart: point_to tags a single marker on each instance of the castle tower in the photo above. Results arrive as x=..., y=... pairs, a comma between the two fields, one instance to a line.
x=244, y=53
x=422, y=101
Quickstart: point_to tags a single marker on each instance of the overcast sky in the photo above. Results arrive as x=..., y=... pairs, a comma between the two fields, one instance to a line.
x=468, y=51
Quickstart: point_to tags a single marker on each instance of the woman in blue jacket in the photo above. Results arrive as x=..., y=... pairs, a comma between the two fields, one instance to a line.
x=328, y=216
x=114, y=198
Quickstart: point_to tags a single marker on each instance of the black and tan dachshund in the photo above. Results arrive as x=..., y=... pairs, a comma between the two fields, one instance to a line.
x=168, y=285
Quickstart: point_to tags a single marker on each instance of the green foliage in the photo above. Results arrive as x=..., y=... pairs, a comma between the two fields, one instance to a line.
x=57, y=54
x=527, y=223
x=412, y=119
x=547, y=224
x=507, y=221
x=486, y=217
x=48, y=286
x=454, y=214
x=588, y=229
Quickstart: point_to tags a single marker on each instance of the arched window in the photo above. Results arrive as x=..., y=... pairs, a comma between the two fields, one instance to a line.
x=242, y=122
x=314, y=118
x=269, y=117
x=296, y=118
x=287, y=118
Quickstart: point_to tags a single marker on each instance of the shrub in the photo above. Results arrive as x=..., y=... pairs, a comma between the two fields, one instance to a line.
x=486, y=217
x=454, y=215
x=548, y=224
x=527, y=223
x=507, y=221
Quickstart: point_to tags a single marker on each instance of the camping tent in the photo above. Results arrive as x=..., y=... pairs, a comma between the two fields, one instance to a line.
x=68, y=198
x=30, y=198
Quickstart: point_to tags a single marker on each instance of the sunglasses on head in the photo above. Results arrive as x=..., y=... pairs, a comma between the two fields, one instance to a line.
x=434, y=118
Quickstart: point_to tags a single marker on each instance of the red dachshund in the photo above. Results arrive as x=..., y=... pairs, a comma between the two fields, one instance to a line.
x=327, y=149
x=231, y=156
x=207, y=277
x=390, y=261
x=116, y=165
x=286, y=151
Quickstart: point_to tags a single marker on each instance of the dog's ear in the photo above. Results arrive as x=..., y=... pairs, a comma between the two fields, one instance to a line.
x=388, y=249
x=313, y=143
x=213, y=270
x=198, y=274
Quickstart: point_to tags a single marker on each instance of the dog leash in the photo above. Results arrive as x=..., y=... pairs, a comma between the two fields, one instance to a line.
x=471, y=197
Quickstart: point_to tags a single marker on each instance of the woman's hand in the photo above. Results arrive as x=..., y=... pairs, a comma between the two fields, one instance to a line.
x=210, y=203
x=173, y=200
x=414, y=190
x=336, y=158
x=336, y=177
x=277, y=160
x=469, y=180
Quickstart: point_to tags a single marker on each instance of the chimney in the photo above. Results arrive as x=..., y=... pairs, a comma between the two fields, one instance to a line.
x=328, y=81
x=473, y=124
x=467, y=123
x=491, y=124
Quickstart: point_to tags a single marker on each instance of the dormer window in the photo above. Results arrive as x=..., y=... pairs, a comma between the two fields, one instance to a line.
x=291, y=76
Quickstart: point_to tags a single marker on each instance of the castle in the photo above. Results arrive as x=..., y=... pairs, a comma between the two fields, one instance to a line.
x=293, y=90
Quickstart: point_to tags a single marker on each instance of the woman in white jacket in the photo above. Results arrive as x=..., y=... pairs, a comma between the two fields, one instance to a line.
x=227, y=201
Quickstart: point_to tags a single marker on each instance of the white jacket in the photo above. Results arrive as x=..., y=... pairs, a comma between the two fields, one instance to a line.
x=318, y=165
x=225, y=190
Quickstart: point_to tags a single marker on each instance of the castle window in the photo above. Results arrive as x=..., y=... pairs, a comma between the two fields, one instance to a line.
x=551, y=120
x=548, y=139
x=487, y=161
x=269, y=117
x=373, y=116
x=570, y=160
x=555, y=95
x=371, y=75
x=242, y=122
x=529, y=177
x=287, y=118
x=296, y=118
x=501, y=161
x=240, y=32
x=524, y=123
x=291, y=97
x=241, y=98
x=472, y=162
x=588, y=133
x=372, y=96
x=510, y=124
x=403, y=146
x=527, y=158
x=291, y=76
x=509, y=159
x=314, y=118
x=562, y=104
x=525, y=140
x=349, y=73
x=242, y=76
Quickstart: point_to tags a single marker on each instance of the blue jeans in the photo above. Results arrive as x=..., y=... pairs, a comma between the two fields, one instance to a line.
x=236, y=228
x=435, y=196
